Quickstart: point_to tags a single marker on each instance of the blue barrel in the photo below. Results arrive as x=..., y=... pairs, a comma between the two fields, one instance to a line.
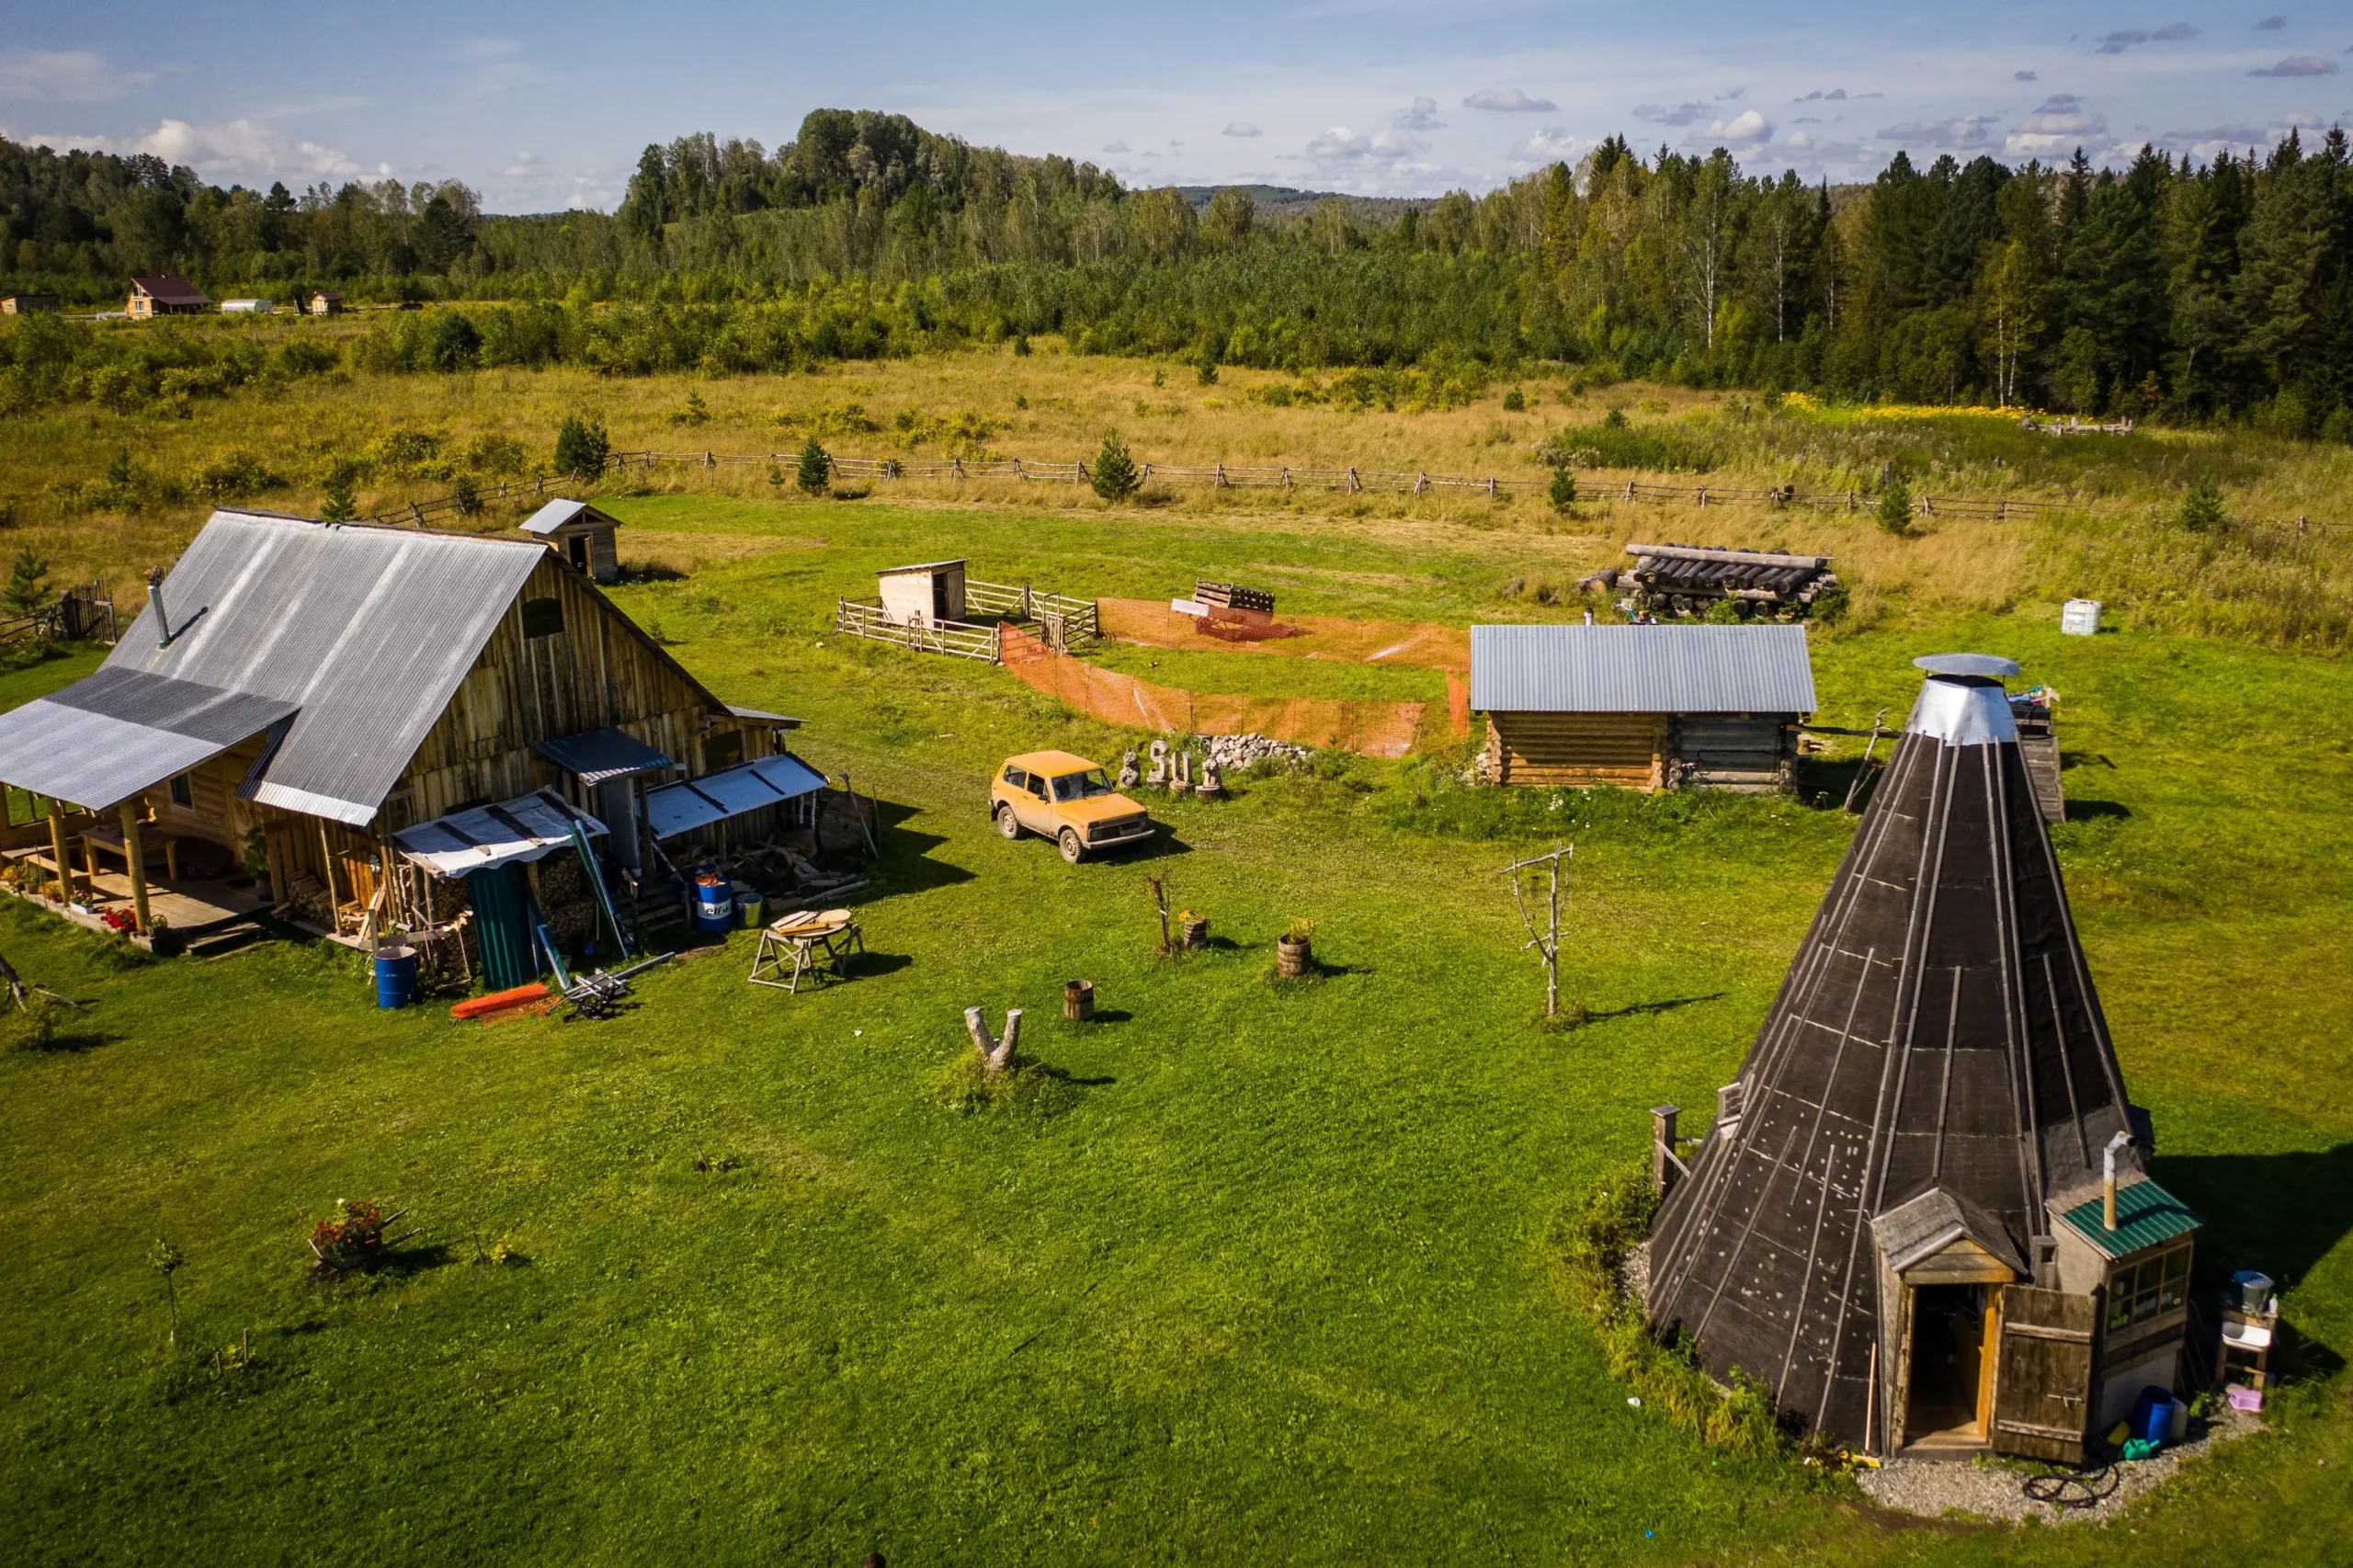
x=2152, y=1416
x=396, y=976
x=714, y=906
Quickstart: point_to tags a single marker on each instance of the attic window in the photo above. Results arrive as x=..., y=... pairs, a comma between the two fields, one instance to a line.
x=722, y=750
x=542, y=618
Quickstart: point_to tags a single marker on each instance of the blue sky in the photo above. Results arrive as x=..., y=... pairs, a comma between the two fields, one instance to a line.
x=542, y=106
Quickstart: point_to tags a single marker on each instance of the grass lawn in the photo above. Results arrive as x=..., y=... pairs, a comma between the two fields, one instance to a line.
x=1263, y=1280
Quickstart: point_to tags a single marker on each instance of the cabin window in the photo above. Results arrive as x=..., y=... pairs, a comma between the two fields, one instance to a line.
x=723, y=751
x=2154, y=1286
x=542, y=618
x=184, y=791
x=26, y=808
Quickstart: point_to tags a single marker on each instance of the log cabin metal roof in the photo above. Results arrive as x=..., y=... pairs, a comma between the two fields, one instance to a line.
x=169, y=288
x=111, y=734
x=1640, y=669
x=559, y=515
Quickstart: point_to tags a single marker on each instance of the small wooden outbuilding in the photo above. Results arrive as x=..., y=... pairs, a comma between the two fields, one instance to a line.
x=165, y=294
x=925, y=595
x=581, y=534
x=326, y=302
x=26, y=305
x=1642, y=707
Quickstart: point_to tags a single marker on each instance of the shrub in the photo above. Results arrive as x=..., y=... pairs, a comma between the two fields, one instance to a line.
x=581, y=447
x=33, y=1026
x=1563, y=491
x=816, y=469
x=1892, y=511
x=1113, y=473
x=235, y=478
x=1515, y=401
x=1021, y=345
x=455, y=343
x=2201, y=507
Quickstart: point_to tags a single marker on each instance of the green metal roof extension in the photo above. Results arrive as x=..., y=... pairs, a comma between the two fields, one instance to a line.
x=2146, y=1214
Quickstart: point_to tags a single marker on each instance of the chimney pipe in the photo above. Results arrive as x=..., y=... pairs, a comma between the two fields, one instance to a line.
x=2108, y=1178
x=155, y=598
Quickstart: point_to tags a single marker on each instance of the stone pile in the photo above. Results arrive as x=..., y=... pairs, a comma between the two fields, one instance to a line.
x=1233, y=753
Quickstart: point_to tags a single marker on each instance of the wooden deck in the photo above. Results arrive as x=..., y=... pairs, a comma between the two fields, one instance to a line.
x=191, y=905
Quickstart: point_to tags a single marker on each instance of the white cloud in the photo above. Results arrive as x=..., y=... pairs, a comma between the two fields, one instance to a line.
x=1746, y=129
x=1240, y=128
x=1673, y=114
x=239, y=150
x=1961, y=133
x=1554, y=144
x=527, y=165
x=1341, y=150
x=1508, y=100
x=1423, y=115
x=2060, y=125
x=64, y=77
x=2299, y=65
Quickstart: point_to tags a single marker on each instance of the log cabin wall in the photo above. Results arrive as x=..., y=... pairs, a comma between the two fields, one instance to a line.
x=545, y=673
x=1577, y=749
x=1747, y=753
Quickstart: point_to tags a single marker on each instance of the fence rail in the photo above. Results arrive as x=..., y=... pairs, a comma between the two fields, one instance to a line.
x=860, y=617
x=1078, y=616
x=1351, y=481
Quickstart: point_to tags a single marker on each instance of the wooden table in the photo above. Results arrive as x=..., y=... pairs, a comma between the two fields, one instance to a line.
x=818, y=944
x=110, y=840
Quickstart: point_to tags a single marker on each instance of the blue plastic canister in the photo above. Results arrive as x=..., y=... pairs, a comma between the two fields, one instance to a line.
x=396, y=976
x=714, y=906
x=2152, y=1416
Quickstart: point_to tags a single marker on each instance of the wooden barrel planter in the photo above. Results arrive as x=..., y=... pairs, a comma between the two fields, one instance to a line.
x=1294, y=956
x=1078, y=1001
x=1197, y=931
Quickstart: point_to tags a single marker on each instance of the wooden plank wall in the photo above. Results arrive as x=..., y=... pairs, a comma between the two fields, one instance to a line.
x=1576, y=749
x=1744, y=753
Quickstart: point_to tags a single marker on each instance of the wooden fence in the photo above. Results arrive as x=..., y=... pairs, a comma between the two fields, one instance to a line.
x=1349, y=481
x=858, y=618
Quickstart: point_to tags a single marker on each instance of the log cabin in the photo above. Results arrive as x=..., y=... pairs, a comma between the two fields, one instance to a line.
x=165, y=294
x=1642, y=707
x=337, y=709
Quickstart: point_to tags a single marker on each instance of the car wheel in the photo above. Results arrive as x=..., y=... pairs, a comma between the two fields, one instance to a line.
x=1007, y=824
x=1072, y=849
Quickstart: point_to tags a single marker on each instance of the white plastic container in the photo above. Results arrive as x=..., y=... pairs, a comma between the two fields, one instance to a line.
x=2080, y=617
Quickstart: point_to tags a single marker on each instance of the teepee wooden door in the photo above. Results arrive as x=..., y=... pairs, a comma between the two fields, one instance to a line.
x=2042, y=1386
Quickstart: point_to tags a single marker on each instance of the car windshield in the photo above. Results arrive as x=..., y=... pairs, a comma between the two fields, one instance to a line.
x=1082, y=785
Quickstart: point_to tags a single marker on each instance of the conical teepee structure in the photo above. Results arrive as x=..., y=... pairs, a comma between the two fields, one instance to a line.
x=1934, y=1072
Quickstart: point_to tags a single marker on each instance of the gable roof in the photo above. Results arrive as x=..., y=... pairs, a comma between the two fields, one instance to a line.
x=169, y=288
x=558, y=513
x=1927, y=1225
x=1640, y=669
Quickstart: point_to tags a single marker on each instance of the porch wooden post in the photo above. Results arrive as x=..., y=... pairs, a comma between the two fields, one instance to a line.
x=273, y=865
x=1663, y=1148
x=138, y=860
x=57, y=850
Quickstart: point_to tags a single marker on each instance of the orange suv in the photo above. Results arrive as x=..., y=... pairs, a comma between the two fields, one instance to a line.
x=1067, y=799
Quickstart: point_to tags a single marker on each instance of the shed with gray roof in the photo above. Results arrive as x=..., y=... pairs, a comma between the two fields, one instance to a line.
x=1642, y=707
x=581, y=534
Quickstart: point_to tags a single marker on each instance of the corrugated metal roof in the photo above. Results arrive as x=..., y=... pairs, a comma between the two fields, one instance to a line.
x=601, y=754
x=529, y=827
x=681, y=808
x=2146, y=1214
x=170, y=288
x=1640, y=669
x=556, y=514
x=366, y=631
x=111, y=734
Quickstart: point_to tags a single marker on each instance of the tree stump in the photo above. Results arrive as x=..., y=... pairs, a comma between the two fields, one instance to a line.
x=1078, y=1001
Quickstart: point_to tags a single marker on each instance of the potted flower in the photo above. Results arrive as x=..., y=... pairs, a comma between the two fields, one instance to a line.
x=1293, y=954
x=352, y=1238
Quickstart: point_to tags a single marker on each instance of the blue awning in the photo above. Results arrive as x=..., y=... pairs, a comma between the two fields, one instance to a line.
x=681, y=808
x=601, y=754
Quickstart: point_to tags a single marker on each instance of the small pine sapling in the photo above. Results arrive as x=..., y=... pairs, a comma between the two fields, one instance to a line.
x=2201, y=508
x=1563, y=491
x=28, y=590
x=581, y=447
x=817, y=469
x=340, y=505
x=1021, y=346
x=1114, y=475
x=1893, y=509
x=1515, y=401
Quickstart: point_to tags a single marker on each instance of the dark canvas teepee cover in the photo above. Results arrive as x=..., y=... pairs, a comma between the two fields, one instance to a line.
x=1938, y=1034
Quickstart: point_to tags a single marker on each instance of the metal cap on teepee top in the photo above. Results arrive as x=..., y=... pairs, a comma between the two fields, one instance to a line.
x=1962, y=702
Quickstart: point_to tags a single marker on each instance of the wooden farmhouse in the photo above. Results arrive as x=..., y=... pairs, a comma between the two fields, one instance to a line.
x=371, y=729
x=165, y=295
x=1642, y=707
x=1922, y=1216
x=325, y=302
x=581, y=534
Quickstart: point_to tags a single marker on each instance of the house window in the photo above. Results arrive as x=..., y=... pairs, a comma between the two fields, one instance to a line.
x=723, y=751
x=184, y=791
x=542, y=618
x=26, y=808
x=2153, y=1286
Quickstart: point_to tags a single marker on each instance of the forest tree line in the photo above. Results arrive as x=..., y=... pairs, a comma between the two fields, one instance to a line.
x=2166, y=288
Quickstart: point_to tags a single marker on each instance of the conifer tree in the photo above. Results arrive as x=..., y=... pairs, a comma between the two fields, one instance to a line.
x=1563, y=491
x=1893, y=509
x=816, y=469
x=28, y=590
x=581, y=447
x=2201, y=507
x=340, y=505
x=1113, y=474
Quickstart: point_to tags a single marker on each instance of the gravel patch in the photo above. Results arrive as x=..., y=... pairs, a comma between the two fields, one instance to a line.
x=1995, y=1490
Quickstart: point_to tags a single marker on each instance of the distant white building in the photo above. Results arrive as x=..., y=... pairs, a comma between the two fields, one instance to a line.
x=248, y=307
